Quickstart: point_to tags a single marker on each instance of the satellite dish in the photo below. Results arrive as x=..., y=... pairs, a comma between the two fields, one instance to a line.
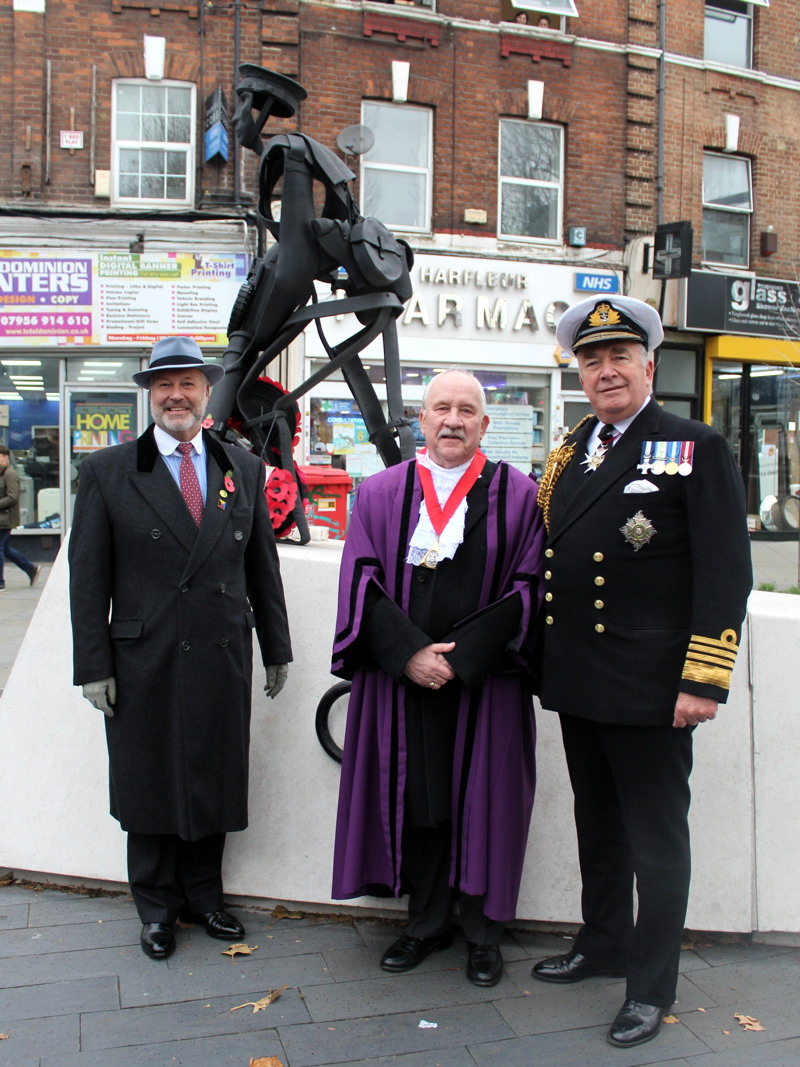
x=356, y=140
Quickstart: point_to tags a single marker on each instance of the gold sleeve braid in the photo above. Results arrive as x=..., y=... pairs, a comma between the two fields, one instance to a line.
x=556, y=462
x=710, y=660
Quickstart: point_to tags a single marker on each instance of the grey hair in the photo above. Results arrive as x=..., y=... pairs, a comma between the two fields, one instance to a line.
x=454, y=370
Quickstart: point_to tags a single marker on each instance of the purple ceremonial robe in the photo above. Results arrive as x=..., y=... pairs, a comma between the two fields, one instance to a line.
x=493, y=779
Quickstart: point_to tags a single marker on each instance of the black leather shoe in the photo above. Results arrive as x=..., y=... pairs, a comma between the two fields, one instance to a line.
x=157, y=940
x=574, y=968
x=484, y=964
x=635, y=1023
x=216, y=924
x=409, y=951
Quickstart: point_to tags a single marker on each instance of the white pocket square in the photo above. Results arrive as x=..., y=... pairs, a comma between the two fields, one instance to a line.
x=641, y=486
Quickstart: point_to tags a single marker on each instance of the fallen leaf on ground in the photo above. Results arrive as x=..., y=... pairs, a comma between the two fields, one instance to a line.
x=279, y=912
x=239, y=949
x=670, y=1019
x=261, y=1005
x=748, y=1022
x=702, y=1009
x=266, y=1061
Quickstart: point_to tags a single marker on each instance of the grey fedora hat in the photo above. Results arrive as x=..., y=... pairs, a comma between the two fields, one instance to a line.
x=178, y=353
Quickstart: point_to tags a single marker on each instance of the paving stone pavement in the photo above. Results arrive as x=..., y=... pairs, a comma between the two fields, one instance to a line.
x=77, y=991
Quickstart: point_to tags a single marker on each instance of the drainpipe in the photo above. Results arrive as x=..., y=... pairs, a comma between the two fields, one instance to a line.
x=237, y=32
x=662, y=37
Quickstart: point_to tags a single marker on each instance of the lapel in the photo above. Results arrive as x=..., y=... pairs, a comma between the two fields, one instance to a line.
x=586, y=489
x=478, y=496
x=157, y=487
x=215, y=519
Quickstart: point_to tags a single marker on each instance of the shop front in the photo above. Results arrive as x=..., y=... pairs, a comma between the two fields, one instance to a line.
x=496, y=318
x=74, y=327
x=751, y=388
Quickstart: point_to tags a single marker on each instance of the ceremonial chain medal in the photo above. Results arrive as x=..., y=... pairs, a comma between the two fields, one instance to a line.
x=441, y=516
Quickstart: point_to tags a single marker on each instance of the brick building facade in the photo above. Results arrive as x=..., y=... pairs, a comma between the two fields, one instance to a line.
x=527, y=165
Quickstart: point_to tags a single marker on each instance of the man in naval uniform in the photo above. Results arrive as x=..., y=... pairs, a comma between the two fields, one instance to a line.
x=172, y=537
x=439, y=593
x=648, y=573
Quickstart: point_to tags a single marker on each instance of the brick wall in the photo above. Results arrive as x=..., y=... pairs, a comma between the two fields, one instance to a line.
x=466, y=65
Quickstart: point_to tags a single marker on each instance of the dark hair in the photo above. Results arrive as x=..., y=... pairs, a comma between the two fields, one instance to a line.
x=5, y=450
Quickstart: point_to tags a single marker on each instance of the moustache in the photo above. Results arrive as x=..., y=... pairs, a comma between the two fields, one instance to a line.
x=452, y=433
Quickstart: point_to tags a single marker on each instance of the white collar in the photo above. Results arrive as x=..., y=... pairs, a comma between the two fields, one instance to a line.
x=620, y=426
x=167, y=444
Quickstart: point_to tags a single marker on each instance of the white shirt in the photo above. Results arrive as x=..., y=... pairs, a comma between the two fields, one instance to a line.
x=619, y=428
x=168, y=447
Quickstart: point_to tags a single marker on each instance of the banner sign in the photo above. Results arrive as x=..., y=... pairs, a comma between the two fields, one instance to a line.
x=731, y=303
x=116, y=298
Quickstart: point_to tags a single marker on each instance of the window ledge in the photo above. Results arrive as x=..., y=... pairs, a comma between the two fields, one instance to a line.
x=536, y=47
x=402, y=28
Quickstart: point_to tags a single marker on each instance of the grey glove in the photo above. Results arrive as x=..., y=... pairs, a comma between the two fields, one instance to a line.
x=276, y=679
x=102, y=694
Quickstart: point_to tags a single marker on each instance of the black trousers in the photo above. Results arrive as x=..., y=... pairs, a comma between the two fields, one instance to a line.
x=631, y=786
x=426, y=870
x=167, y=874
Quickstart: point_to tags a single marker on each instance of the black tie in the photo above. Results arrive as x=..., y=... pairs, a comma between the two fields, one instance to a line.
x=607, y=434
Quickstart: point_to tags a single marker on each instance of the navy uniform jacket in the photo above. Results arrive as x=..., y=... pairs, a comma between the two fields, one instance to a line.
x=627, y=628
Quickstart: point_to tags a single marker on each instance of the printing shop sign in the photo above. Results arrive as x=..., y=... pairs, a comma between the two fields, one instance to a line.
x=740, y=304
x=116, y=298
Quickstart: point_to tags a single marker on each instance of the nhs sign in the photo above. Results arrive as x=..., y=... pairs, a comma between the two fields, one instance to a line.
x=596, y=283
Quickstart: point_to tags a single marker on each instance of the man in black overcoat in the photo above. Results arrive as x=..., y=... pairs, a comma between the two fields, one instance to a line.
x=172, y=565
x=648, y=573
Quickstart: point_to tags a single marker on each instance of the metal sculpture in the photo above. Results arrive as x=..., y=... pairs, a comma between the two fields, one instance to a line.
x=338, y=247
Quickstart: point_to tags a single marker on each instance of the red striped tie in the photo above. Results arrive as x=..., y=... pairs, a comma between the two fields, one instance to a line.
x=190, y=487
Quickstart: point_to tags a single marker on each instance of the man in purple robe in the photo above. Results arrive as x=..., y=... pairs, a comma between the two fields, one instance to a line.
x=438, y=599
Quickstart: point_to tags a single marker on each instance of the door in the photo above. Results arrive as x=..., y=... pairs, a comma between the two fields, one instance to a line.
x=96, y=417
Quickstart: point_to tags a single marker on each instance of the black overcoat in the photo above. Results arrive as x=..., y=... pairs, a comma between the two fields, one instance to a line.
x=627, y=628
x=168, y=610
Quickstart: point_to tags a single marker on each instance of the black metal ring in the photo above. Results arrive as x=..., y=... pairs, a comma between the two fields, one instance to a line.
x=321, y=719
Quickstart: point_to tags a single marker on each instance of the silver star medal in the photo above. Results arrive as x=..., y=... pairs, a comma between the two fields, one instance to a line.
x=591, y=463
x=638, y=531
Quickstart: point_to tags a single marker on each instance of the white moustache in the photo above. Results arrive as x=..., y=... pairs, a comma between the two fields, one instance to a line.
x=452, y=433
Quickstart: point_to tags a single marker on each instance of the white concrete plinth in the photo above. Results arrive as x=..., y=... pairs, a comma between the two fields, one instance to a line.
x=53, y=773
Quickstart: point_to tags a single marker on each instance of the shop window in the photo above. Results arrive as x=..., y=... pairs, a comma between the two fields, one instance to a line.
x=396, y=171
x=727, y=206
x=729, y=31
x=153, y=133
x=531, y=182
x=518, y=406
x=676, y=384
x=756, y=406
x=29, y=402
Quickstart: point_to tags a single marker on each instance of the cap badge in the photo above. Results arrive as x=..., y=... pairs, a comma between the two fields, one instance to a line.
x=604, y=315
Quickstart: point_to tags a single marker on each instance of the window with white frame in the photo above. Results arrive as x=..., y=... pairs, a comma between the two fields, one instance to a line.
x=729, y=31
x=727, y=207
x=396, y=171
x=546, y=14
x=153, y=136
x=531, y=180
